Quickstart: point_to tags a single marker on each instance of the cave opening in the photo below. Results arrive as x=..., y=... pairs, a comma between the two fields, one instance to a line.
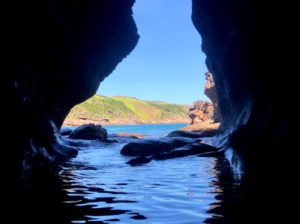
x=164, y=66
x=161, y=78
x=54, y=56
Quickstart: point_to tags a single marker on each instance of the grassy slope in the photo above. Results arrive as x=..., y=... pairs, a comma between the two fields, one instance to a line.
x=127, y=108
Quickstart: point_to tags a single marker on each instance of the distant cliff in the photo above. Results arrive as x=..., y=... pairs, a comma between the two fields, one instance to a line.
x=125, y=110
x=205, y=115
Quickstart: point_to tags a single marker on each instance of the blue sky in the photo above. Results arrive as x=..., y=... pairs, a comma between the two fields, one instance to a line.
x=168, y=63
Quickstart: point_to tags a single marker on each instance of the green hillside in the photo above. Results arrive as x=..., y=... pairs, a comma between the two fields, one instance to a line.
x=121, y=109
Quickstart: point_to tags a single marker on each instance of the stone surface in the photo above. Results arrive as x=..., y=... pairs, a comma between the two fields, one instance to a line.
x=89, y=132
x=201, y=111
x=149, y=147
x=167, y=148
x=192, y=134
x=199, y=149
x=211, y=92
x=139, y=160
x=130, y=135
x=145, y=148
x=54, y=54
x=205, y=126
x=242, y=41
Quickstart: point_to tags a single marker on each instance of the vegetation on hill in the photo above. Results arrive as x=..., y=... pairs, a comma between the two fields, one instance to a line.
x=122, y=109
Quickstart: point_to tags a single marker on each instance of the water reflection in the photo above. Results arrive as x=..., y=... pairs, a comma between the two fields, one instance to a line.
x=185, y=190
x=227, y=189
x=99, y=187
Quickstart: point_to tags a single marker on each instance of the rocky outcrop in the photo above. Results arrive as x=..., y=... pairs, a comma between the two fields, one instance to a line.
x=211, y=93
x=167, y=148
x=239, y=39
x=129, y=135
x=205, y=116
x=54, y=54
x=193, y=134
x=201, y=111
x=89, y=132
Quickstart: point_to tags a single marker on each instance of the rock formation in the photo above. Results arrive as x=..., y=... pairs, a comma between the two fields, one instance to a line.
x=200, y=112
x=203, y=113
x=55, y=53
x=54, y=56
x=242, y=41
x=211, y=93
x=89, y=132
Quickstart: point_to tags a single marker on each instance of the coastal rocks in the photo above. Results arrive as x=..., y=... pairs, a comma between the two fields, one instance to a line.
x=89, y=132
x=145, y=148
x=199, y=149
x=211, y=93
x=139, y=160
x=129, y=135
x=193, y=134
x=204, y=127
x=149, y=147
x=66, y=131
x=55, y=54
x=166, y=148
x=201, y=111
x=205, y=116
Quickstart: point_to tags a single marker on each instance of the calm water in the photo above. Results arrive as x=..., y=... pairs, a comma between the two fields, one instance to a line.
x=101, y=188
x=150, y=130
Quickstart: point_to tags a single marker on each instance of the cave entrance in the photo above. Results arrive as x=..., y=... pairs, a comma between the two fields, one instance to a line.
x=162, y=80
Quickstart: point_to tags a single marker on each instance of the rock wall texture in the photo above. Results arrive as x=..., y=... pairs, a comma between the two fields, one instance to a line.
x=247, y=44
x=54, y=54
x=201, y=111
x=211, y=92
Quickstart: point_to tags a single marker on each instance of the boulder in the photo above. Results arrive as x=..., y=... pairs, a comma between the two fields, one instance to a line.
x=139, y=160
x=89, y=132
x=129, y=135
x=193, y=134
x=66, y=131
x=147, y=147
x=188, y=150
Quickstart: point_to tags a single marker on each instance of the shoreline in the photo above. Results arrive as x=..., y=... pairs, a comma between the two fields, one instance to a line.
x=79, y=122
x=119, y=124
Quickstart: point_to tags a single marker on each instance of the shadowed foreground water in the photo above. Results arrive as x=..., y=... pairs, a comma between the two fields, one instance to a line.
x=101, y=188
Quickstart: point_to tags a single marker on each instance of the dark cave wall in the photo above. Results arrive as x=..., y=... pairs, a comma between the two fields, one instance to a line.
x=227, y=37
x=248, y=46
x=242, y=42
x=54, y=54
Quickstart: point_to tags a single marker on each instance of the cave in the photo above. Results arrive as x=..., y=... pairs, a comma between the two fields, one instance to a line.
x=54, y=54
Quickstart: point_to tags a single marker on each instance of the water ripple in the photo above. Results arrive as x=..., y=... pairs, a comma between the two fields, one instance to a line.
x=178, y=191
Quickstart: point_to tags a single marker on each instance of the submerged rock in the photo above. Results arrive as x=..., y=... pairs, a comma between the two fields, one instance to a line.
x=65, y=131
x=148, y=147
x=139, y=160
x=166, y=148
x=145, y=148
x=89, y=132
x=193, y=134
x=188, y=150
x=129, y=135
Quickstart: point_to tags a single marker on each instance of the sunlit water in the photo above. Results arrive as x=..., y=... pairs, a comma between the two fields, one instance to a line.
x=150, y=130
x=104, y=189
